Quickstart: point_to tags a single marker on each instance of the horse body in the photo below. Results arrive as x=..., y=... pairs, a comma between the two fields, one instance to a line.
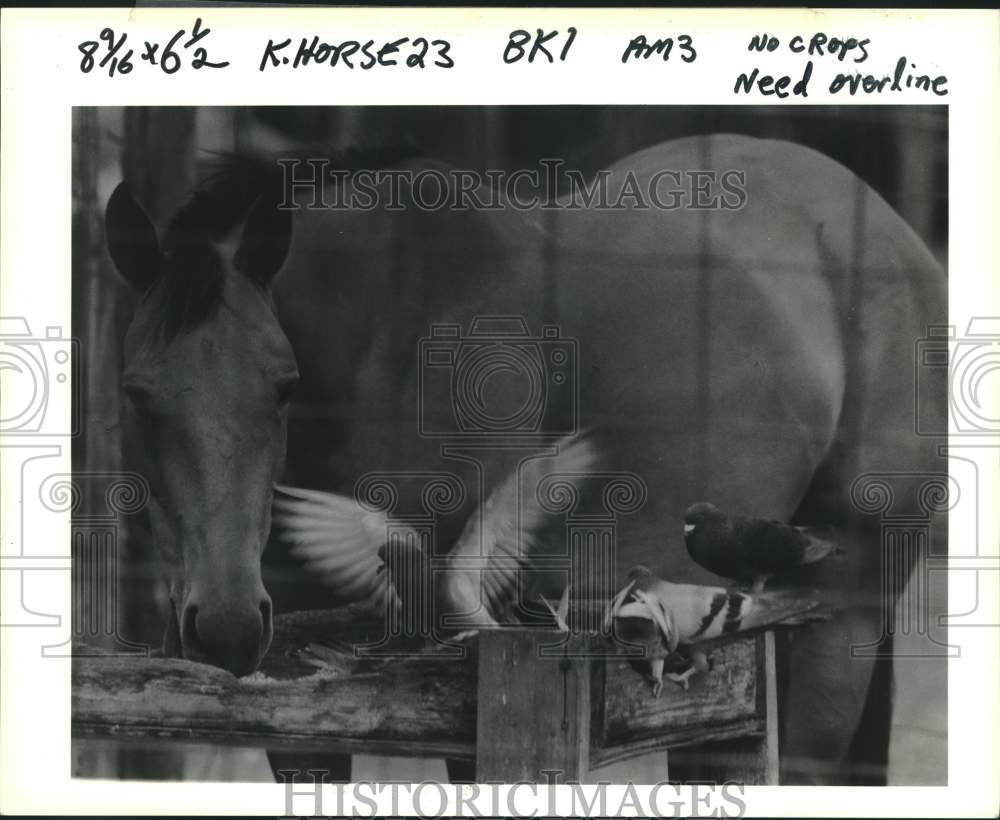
x=759, y=357
x=722, y=354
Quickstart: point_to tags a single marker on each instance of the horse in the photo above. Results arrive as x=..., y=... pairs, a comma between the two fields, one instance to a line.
x=758, y=355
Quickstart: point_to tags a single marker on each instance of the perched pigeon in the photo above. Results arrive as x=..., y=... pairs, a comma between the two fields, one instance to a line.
x=671, y=620
x=347, y=547
x=750, y=550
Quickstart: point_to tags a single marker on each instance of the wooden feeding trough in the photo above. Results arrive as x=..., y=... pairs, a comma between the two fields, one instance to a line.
x=517, y=701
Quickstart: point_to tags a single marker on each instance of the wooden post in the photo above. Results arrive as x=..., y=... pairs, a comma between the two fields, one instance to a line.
x=533, y=713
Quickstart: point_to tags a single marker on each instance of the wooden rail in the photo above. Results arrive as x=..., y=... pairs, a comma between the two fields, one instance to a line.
x=520, y=702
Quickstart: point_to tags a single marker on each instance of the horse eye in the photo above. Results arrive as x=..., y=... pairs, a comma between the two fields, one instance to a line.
x=141, y=402
x=286, y=388
x=138, y=397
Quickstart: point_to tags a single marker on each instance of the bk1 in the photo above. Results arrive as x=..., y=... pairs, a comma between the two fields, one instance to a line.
x=518, y=39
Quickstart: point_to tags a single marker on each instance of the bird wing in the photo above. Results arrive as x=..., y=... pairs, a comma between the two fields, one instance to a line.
x=771, y=546
x=616, y=604
x=696, y=610
x=560, y=613
x=774, y=607
x=635, y=601
x=661, y=614
x=703, y=613
x=338, y=540
x=506, y=528
x=819, y=544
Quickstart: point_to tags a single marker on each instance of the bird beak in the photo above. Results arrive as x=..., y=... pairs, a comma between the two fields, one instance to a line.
x=688, y=528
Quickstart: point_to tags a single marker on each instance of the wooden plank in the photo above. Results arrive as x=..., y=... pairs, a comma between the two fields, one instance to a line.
x=135, y=736
x=677, y=742
x=751, y=759
x=726, y=696
x=426, y=703
x=412, y=705
x=534, y=707
x=541, y=709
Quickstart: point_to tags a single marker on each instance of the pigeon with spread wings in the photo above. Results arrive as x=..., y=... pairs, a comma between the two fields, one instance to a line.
x=362, y=558
x=670, y=620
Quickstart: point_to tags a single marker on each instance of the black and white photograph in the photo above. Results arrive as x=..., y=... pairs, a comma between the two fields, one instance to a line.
x=485, y=442
x=499, y=412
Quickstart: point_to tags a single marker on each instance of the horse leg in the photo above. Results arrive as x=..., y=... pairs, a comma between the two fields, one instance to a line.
x=825, y=696
x=460, y=771
x=868, y=756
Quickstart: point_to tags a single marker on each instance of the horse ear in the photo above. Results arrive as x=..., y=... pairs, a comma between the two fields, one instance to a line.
x=131, y=239
x=267, y=235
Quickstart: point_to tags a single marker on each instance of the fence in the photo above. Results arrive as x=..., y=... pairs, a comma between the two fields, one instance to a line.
x=524, y=702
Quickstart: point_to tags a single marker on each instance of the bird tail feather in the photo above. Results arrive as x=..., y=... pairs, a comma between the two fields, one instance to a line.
x=774, y=607
x=819, y=546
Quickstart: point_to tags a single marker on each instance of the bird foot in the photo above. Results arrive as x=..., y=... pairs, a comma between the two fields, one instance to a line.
x=657, y=688
x=683, y=679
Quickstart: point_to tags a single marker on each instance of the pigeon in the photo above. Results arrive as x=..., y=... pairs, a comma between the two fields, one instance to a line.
x=750, y=550
x=347, y=547
x=670, y=621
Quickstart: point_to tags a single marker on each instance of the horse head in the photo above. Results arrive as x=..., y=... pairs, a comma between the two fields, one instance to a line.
x=207, y=376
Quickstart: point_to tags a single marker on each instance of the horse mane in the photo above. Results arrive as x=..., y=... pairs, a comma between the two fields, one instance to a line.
x=231, y=184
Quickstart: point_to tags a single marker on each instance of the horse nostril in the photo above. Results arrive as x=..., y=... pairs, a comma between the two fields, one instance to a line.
x=233, y=635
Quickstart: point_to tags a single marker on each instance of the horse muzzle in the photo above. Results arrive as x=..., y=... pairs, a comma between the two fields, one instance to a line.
x=230, y=633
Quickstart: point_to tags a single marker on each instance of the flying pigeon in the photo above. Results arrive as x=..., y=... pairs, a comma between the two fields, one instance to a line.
x=349, y=548
x=750, y=550
x=671, y=620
